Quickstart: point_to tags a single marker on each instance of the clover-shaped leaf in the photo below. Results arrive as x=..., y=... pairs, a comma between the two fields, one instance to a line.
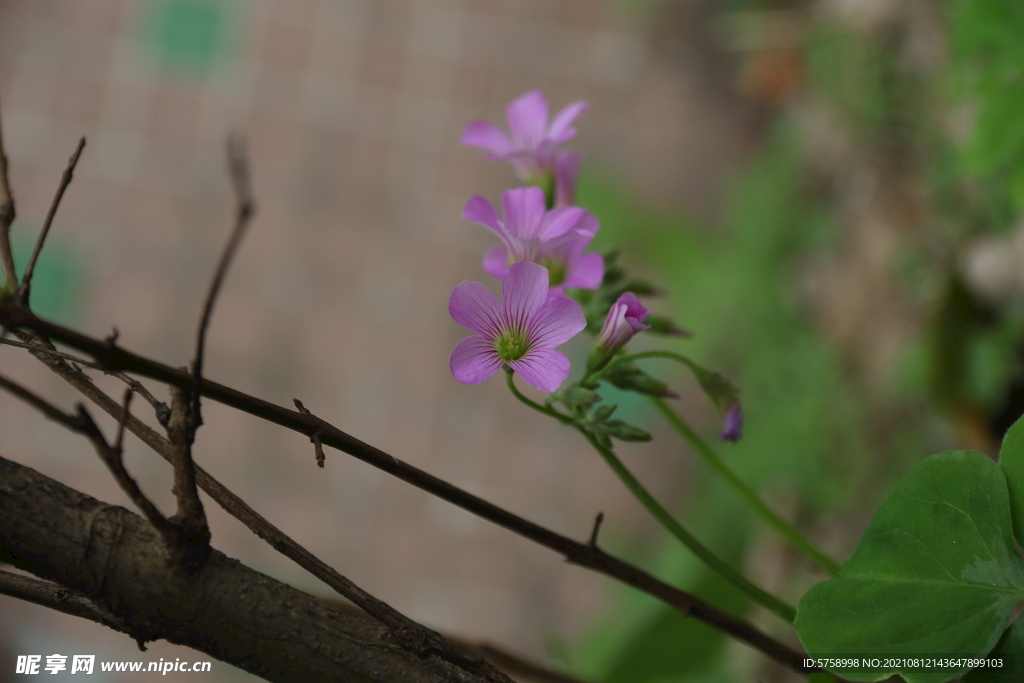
x=1011, y=461
x=936, y=573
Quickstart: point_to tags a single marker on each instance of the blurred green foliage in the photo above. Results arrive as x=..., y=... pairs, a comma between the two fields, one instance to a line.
x=988, y=69
x=813, y=436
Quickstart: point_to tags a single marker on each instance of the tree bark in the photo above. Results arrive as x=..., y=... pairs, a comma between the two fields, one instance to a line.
x=226, y=610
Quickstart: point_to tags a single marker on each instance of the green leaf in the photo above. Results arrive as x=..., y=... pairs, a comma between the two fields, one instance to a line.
x=1011, y=461
x=1010, y=650
x=936, y=574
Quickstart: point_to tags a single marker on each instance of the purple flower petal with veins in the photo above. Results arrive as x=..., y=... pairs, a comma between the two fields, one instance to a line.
x=555, y=239
x=522, y=330
x=531, y=145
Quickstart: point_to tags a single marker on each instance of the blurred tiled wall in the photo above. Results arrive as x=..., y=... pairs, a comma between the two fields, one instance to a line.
x=352, y=110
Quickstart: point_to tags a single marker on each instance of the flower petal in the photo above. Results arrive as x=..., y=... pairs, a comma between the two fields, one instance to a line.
x=544, y=369
x=496, y=261
x=558, y=320
x=586, y=272
x=487, y=136
x=528, y=120
x=524, y=211
x=588, y=225
x=474, y=306
x=559, y=221
x=479, y=210
x=523, y=290
x=560, y=130
x=474, y=360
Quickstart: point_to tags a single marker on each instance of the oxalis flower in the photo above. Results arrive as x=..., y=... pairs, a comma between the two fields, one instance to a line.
x=625, y=319
x=532, y=146
x=522, y=330
x=529, y=232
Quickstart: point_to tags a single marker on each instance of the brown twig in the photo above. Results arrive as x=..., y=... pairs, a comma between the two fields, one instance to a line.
x=53, y=352
x=162, y=411
x=318, y=445
x=596, y=530
x=7, y=214
x=83, y=424
x=58, y=598
x=42, y=405
x=575, y=552
x=65, y=180
x=112, y=457
x=238, y=169
x=194, y=532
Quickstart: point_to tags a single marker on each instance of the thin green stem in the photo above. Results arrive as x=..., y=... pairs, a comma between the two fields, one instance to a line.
x=678, y=357
x=659, y=512
x=747, y=493
x=676, y=529
x=564, y=419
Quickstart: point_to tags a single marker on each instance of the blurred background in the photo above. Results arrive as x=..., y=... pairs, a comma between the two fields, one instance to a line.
x=829, y=192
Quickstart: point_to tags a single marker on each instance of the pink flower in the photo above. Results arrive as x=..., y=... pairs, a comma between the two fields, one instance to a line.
x=522, y=330
x=625, y=319
x=555, y=239
x=531, y=148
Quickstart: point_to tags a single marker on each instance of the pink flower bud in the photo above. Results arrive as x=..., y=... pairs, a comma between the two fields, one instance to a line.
x=625, y=318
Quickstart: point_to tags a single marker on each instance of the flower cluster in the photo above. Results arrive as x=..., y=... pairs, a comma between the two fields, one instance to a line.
x=543, y=239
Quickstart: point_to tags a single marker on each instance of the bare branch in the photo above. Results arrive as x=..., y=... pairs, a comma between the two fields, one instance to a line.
x=162, y=411
x=7, y=214
x=119, y=440
x=226, y=609
x=42, y=405
x=65, y=180
x=238, y=168
x=59, y=598
x=318, y=445
x=597, y=528
x=53, y=352
x=77, y=604
x=575, y=552
x=194, y=537
x=111, y=456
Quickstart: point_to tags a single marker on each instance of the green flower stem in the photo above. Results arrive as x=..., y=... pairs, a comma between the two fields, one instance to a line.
x=676, y=529
x=660, y=513
x=596, y=377
x=747, y=493
x=564, y=419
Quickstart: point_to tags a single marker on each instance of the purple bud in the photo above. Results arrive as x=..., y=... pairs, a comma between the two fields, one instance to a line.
x=732, y=423
x=625, y=318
